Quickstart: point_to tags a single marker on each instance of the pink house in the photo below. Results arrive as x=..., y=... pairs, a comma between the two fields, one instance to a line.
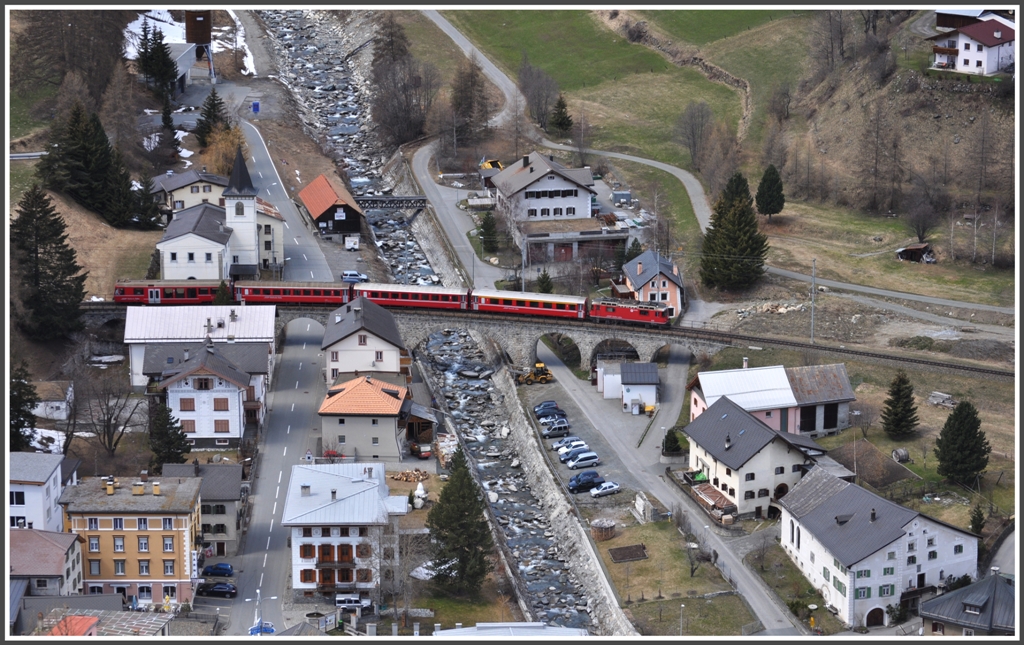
x=812, y=400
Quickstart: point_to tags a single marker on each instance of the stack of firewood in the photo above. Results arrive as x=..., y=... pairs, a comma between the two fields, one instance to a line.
x=415, y=475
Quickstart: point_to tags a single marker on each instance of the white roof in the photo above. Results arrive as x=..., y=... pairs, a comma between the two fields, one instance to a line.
x=253, y=323
x=361, y=495
x=754, y=388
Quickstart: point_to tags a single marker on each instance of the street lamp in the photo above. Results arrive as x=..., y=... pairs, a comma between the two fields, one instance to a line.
x=681, y=619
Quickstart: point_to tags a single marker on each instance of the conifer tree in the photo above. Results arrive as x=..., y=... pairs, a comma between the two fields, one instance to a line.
x=162, y=67
x=561, y=120
x=460, y=533
x=144, y=51
x=147, y=209
x=488, y=233
x=167, y=440
x=52, y=285
x=634, y=251
x=88, y=158
x=899, y=415
x=212, y=117
x=23, y=399
x=54, y=168
x=672, y=441
x=223, y=295
x=770, y=198
x=166, y=118
x=977, y=520
x=119, y=202
x=962, y=448
x=544, y=283
x=734, y=248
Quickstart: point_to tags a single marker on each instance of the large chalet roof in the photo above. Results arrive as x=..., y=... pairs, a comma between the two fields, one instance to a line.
x=32, y=467
x=251, y=358
x=221, y=482
x=90, y=496
x=360, y=495
x=175, y=180
x=647, y=266
x=531, y=168
x=205, y=220
x=994, y=597
x=208, y=360
x=985, y=33
x=364, y=396
x=361, y=314
x=322, y=193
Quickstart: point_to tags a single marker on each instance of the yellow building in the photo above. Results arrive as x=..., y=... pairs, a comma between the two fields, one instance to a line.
x=140, y=538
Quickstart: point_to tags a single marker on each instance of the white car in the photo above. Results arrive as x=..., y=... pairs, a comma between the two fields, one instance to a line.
x=353, y=276
x=607, y=488
x=564, y=441
x=572, y=445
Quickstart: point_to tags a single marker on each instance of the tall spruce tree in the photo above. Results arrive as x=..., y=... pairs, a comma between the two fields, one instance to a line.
x=146, y=207
x=52, y=284
x=166, y=118
x=163, y=70
x=488, y=233
x=634, y=251
x=54, y=168
x=223, y=295
x=977, y=518
x=770, y=198
x=899, y=415
x=213, y=116
x=962, y=448
x=461, y=536
x=23, y=399
x=561, y=120
x=544, y=283
x=89, y=162
x=119, y=203
x=167, y=440
x=734, y=248
x=144, y=51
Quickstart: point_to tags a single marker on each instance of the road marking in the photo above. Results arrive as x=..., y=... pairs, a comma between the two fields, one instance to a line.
x=304, y=257
x=296, y=385
x=292, y=410
x=271, y=525
x=268, y=542
x=296, y=240
x=254, y=159
x=281, y=472
x=289, y=431
x=277, y=493
x=304, y=343
x=285, y=451
x=260, y=174
x=275, y=509
x=265, y=556
x=286, y=225
x=300, y=366
x=311, y=276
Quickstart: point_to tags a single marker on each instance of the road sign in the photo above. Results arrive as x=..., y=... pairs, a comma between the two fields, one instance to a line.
x=256, y=107
x=309, y=455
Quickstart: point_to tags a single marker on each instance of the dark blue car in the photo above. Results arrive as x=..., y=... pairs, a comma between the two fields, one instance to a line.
x=220, y=569
x=225, y=589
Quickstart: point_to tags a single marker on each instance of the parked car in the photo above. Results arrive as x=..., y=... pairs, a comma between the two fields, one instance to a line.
x=570, y=446
x=421, y=450
x=557, y=423
x=225, y=589
x=584, y=481
x=544, y=405
x=564, y=441
x=560, y=431
x=584, y=460
x=220, y=569
x=572, y=454
x=607, y=488
x=551, y=413
x=353, y=276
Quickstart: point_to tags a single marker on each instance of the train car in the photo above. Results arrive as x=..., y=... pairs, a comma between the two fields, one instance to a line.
x=636, y=312
x=292, y=293
x=166, y=292
x=530, y=304
x=411, y=295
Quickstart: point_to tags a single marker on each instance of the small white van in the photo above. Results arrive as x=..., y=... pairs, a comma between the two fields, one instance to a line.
x=352, y=602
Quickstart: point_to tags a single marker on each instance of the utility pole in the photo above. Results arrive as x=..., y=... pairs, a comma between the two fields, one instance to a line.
x=814, y=289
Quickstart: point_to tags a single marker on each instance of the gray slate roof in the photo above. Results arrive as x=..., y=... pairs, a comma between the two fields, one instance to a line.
x=651, y=264
x=90, y=496
x=358, y=315
x=816, y=384
x=361, y=498
x=240, y=184
x=251, y=358
x=747, y=436
x=819, y=498
x=221, y=482
x=209, y=359
x=174, y=181
x=32, y=467
x=205, y=220
x=639, y=374
x=996, y=597
x=517, y=176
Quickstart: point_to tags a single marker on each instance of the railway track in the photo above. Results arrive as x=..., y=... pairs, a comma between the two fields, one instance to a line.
x=704, y=331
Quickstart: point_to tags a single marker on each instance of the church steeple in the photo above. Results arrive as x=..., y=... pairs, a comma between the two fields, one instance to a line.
x=240, y=184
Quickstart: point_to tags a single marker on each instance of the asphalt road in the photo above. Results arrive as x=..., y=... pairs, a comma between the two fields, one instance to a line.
x=290, y=429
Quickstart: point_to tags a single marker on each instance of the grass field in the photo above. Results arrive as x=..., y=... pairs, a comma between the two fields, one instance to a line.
x=428, y=43
x=21, y=174
x=666, y=573
x=700, y=27
x=22, y=107
x=789, y=584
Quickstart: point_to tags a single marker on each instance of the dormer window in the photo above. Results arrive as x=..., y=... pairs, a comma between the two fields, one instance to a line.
x=971, y=609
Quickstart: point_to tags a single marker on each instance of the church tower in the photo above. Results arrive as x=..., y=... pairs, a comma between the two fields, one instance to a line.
x=240, y=216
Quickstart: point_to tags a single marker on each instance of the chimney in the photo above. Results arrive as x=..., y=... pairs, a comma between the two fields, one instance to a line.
x=458, y=625
x=204, y=168
x=551, y=157
x=305, y=490
x=998, y=34
x=337, y=318
x=233, y=316
x=156, y=488
x=334, y=494
x=526, y=160
x=138, y=488
x=186, y=353
x=348, y=308
x=675, y=269
x=195, y=463
x=369, y=471
x=209, y=325
x=728, y=442
x=144, y=475
x=639, y=268
x=745, y=363
x=872, y=515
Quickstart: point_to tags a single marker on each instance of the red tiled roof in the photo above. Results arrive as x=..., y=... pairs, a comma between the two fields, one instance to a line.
x=74, y=626
x=363, y=396
x=985, y=32
x=322, y=193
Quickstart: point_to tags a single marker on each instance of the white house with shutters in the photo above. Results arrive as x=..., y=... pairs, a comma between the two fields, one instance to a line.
x=863, y=552
x=35, y=486
x=343, y=528
x=983, y=48
x=362, y=337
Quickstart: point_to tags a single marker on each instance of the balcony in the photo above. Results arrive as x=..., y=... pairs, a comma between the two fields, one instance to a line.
x=335, y=564
x=251, y=405
x=946, y=51
x=334, y=587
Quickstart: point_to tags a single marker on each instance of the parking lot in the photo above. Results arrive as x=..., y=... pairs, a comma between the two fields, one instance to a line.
x=599, y=410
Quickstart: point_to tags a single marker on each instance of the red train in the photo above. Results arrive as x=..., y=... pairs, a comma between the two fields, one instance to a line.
x=192, y=292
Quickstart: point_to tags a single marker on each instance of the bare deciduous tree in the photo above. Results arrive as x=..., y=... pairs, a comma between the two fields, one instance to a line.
x=540, y=90
x=778, y=104
x=106, y=404
x=720, y=158
x=761, y=550
x=515, y=126
x=400, y=556
x=581, y=136
x=867, y=417
x=692, y=129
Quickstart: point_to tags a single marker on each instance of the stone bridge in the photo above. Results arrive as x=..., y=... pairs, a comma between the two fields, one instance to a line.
x=517, y=337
